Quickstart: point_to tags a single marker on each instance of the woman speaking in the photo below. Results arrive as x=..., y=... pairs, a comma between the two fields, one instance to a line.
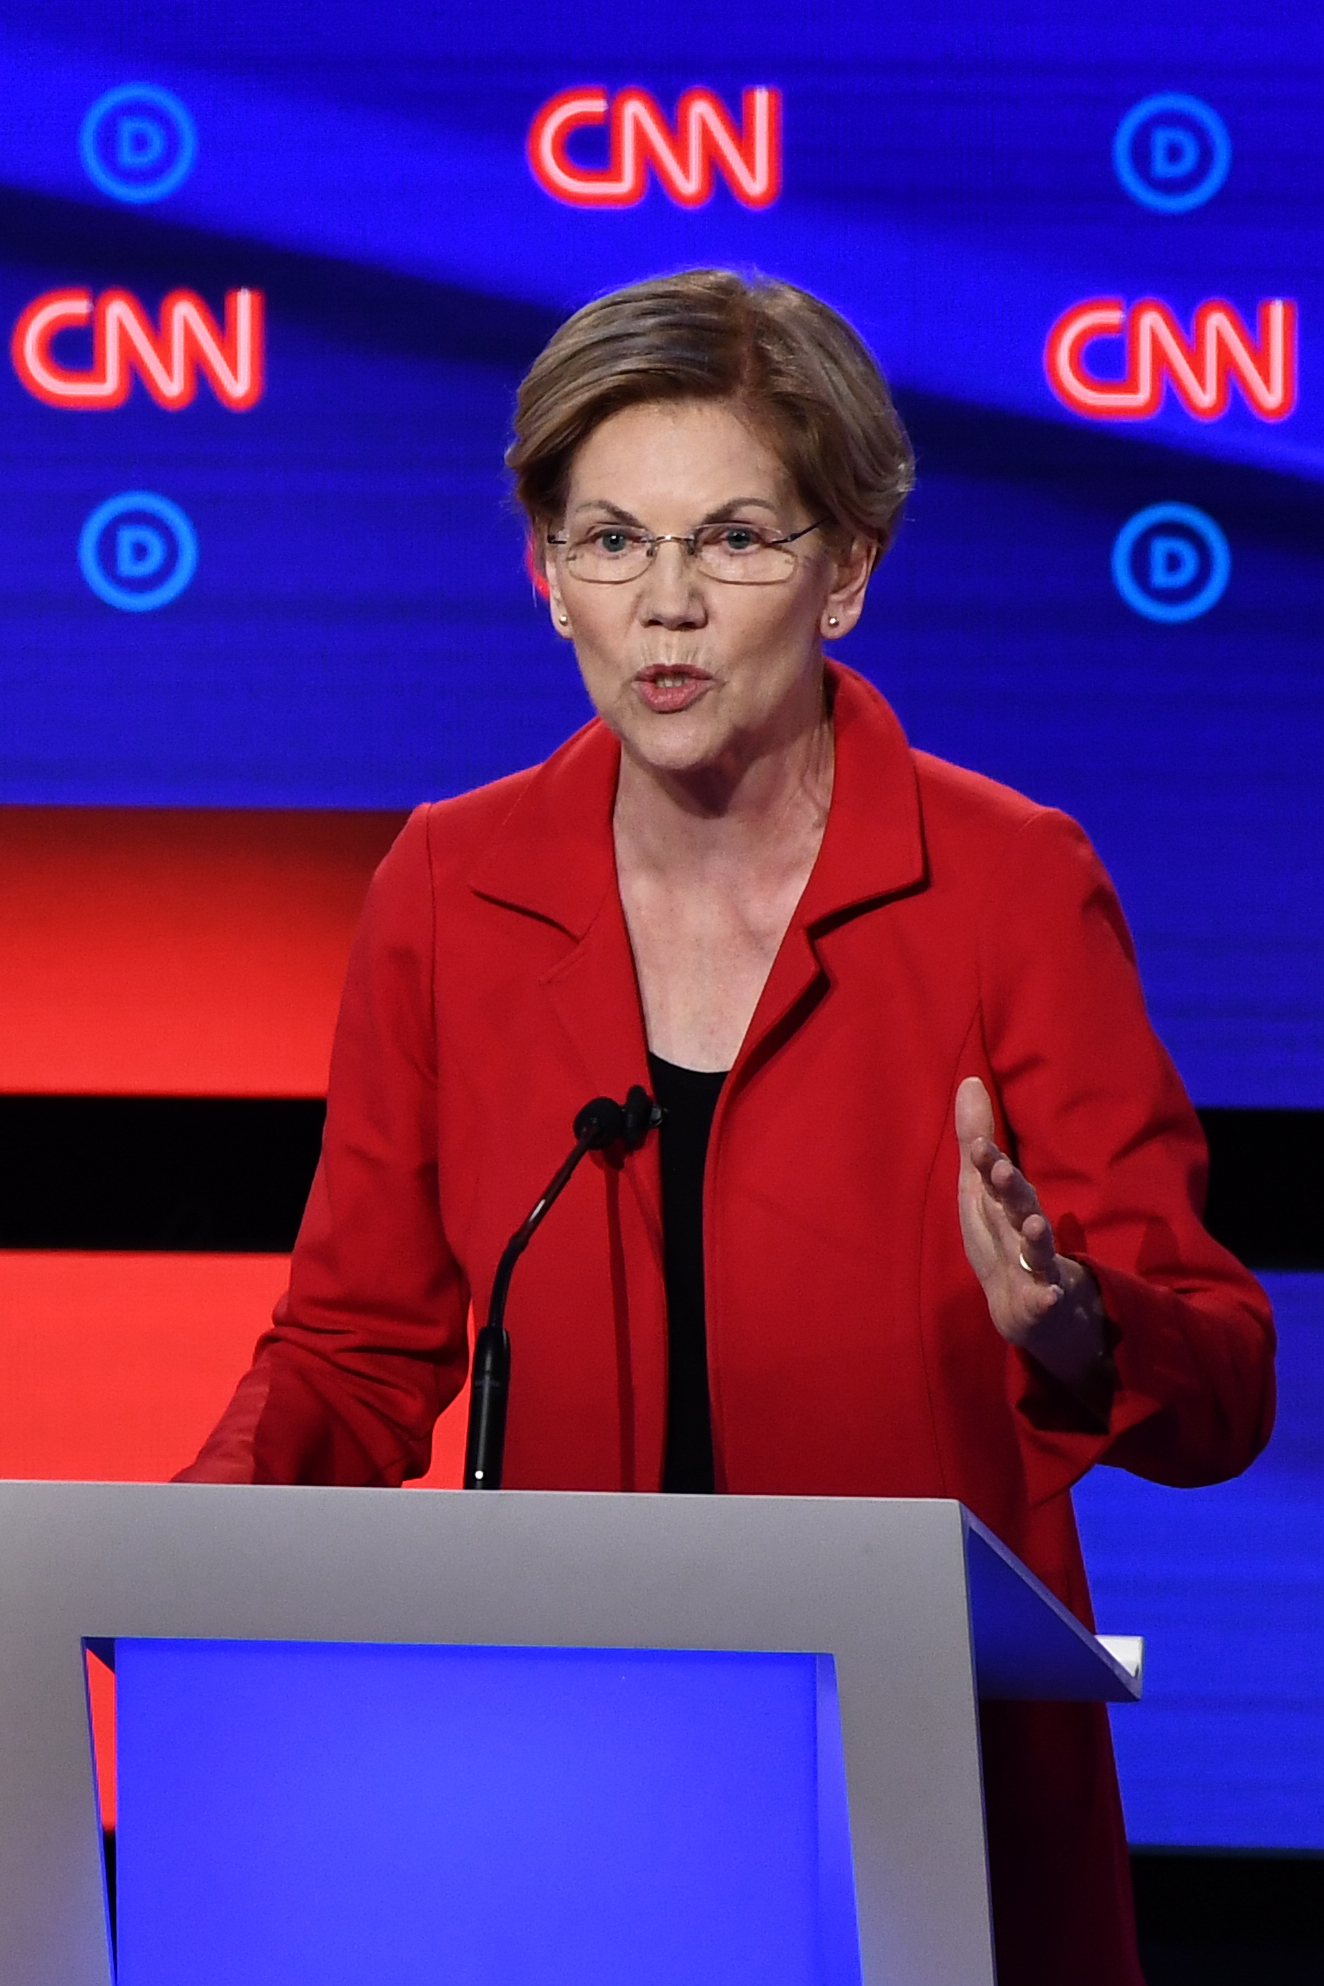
x=923, y=1218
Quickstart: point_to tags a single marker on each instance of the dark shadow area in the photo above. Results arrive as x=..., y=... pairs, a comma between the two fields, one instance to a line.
x=1204, y=1919
x=1089, y=463
x=1266, y=1185
x=1229, y=1919
x=108, y=1854
x=222, y=1175
x=360, y=302
x=230, y=1175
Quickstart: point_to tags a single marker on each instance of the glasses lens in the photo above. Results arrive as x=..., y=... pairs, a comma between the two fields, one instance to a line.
x=611, y=554
x=742, y=555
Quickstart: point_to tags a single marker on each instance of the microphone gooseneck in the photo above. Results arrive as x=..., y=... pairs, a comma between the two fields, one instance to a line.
x=600, y=1123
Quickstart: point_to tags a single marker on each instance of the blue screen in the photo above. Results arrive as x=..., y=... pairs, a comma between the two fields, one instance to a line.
x=1227, y=1585
x=310, y=1813
x=352, y=625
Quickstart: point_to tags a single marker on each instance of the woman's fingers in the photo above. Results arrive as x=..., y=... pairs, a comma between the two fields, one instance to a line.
x=1023, y=1227
x=1037, y=1253
x=1005, y=1182
x=974, y=1114
x=1008, y=1239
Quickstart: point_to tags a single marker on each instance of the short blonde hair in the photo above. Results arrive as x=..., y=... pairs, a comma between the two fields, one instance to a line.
x=791, y=363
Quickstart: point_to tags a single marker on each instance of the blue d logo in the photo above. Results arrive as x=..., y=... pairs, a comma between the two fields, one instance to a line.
x=138, y=143
x=1171, y=562
x=1172, y=153
x=138, y=551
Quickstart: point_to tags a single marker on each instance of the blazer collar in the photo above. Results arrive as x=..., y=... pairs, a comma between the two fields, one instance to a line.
x=873, y=843
x=553, y=855
x=554, y=858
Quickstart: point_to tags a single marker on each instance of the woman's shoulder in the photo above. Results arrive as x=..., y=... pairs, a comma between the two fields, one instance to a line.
x=499, y=838
x=989, y=844
x=459, y=828
x=1011, y=860
x=962, y=799
x=448, y=836
x=957, y=808
x=969, y=808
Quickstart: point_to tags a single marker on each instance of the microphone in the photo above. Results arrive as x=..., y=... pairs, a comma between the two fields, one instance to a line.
x=599, y=1124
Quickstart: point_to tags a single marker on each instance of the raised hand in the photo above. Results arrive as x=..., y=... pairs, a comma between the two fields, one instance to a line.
x=1045, y=1303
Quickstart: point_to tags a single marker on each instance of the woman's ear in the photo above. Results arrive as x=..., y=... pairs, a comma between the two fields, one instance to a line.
x=560, y=616
x=850, y=581
x=542, y=573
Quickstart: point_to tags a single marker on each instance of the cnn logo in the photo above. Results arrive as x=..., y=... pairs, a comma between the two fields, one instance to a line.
x=1201, y=369
x=167, y=359
x=686, y=157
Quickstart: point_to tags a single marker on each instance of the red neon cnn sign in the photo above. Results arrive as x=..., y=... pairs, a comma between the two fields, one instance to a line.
x=1200, y=369
x=685, y=157
x=125, y=341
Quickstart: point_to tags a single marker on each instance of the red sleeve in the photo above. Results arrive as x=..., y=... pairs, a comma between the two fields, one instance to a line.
x=1100, y=1123
x=369, y=1342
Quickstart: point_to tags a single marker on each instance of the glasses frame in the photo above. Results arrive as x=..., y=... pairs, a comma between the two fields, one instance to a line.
x=690, y=540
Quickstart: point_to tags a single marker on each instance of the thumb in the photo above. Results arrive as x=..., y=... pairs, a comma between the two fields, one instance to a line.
x=974, y=1113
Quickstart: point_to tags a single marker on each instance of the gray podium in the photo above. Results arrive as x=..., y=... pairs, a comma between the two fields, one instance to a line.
x=922, y=1610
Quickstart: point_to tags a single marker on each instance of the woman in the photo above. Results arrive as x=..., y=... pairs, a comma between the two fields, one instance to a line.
x=855, y=975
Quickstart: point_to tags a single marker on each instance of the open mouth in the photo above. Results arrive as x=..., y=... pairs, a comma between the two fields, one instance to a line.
x=667, y=689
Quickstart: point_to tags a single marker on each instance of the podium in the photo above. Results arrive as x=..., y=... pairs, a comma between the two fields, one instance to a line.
x=769, y=1732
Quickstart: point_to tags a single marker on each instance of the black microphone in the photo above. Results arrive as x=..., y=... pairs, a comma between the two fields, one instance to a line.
x=599, y=1124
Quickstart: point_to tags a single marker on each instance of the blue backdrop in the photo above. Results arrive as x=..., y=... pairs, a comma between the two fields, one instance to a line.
x=359, y=630
x=318, y=599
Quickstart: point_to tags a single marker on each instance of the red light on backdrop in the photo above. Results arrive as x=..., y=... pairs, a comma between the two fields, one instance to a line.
x=1200, y=369
x=125, y=342
x=685, y=157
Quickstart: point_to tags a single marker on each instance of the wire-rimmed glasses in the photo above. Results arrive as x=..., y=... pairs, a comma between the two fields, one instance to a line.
x=738, y=554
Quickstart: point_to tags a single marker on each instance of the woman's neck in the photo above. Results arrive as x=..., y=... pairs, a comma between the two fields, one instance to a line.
x=748, y=814
x=711, y=865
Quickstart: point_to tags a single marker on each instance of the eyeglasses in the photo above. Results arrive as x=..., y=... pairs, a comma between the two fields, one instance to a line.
x=739, y=554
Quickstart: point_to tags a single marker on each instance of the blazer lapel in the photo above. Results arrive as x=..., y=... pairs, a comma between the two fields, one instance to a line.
x=553, y=855
x=872, y=851
x=554, y=859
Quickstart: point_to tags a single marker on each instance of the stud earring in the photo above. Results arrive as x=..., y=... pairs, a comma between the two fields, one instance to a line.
x=832, y=620
x=563, y=618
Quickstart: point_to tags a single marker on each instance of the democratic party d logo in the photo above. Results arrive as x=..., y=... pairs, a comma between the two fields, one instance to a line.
x=138, y=551
x=1171, y=562
x=138, y=143
x=1172, y=153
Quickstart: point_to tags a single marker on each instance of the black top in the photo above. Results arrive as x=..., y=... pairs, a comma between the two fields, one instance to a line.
x=689, y=1097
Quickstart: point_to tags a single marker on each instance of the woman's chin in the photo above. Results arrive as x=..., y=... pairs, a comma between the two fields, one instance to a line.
x=674, y=744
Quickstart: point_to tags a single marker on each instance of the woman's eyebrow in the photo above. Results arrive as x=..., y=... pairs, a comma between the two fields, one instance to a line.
x=723, y=510
x=614, y=509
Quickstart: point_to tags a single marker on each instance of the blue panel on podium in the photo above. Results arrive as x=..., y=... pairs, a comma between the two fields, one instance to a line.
x=345, y=1814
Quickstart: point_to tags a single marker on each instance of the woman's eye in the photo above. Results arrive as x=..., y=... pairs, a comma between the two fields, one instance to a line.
x=740, y=538
x=613, y=542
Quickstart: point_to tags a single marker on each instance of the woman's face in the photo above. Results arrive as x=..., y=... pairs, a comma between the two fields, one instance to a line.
x=693, y=672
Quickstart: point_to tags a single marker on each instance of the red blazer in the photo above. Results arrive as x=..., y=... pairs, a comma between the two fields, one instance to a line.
x=950, y=928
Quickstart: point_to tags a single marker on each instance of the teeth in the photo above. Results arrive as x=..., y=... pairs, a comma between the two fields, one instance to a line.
x=671, y=682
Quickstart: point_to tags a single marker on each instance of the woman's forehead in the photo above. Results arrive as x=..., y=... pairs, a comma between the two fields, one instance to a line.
x=705, y=453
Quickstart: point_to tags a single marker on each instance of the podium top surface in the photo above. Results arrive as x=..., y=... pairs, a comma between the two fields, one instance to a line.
x=520, y=1567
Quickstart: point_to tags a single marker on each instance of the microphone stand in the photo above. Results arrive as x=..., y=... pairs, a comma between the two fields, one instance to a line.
x=599, y=1124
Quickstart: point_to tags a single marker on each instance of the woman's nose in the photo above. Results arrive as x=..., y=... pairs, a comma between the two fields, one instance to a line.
x=670, y=591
